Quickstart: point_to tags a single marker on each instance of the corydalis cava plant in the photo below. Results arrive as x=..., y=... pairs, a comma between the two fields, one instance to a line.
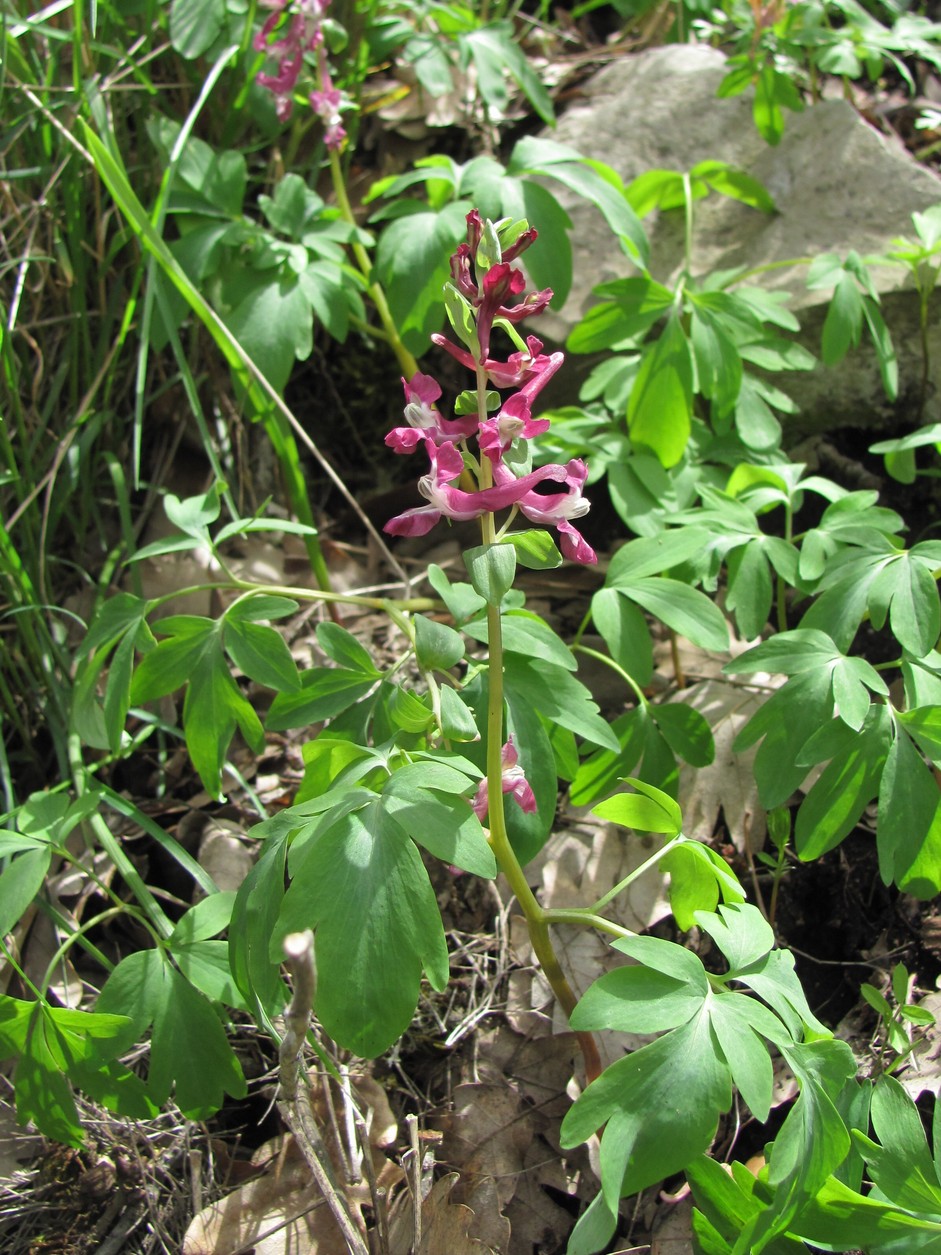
x=288, y=35
x=482, y=296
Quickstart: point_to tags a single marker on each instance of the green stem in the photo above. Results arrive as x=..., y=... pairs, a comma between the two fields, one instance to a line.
x=586, y=917
x=113, y=848
x=636, y=874
x=536, y=917
x=615, y=666
x=377, y=294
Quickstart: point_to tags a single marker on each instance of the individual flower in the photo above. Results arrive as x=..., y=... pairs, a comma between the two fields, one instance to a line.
x=326, y=105
x=515, y=420
x=555, y=509
x=501, y=282
x=436, y=488
x=513, y=781
x=425, y=420
x=516, y=371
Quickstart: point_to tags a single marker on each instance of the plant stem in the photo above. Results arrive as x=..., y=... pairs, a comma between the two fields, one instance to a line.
x=636, y=874
x=536, y=917
x=609, y=662
x=390, y=330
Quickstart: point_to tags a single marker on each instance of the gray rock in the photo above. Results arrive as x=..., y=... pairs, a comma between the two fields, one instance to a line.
x=837, y=183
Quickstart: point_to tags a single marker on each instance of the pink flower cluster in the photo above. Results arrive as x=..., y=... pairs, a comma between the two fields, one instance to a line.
x=488, y=292
x=294, y=34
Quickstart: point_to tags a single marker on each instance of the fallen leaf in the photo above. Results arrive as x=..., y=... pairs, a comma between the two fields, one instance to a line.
x=727, y=786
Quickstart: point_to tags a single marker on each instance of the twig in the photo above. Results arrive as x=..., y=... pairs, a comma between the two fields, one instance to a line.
x=378, y=1196
x=296, y=1112
x=415, y=1181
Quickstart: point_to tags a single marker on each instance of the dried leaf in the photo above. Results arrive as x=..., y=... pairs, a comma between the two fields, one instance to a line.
x=727, y=785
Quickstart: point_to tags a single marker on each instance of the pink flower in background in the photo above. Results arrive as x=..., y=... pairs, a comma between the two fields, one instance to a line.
x=425, y=420
x=300, y=33
x=326, y=105
x=514, y=782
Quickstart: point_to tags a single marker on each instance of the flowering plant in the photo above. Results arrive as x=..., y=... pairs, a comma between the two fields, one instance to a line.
x=288, y=36
x=479, y=298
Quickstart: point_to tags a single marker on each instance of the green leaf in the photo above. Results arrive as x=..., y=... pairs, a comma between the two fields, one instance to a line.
x=206, y=919
x=774, y=980
x=362, y=887
x=272, y=322
x=847, y=785
x=924, y=724
x=404, y=710
x=902, y=1167
x=559, y=696
x=324, y=692
x=21, y=880
x=637, y=999
x=686, y=731
x=741, y=932
x=786, y=721
x=525, y=633
x=492, y=569
x=494, y=53
x=457, y=720
x=736, y=184
x=460, y=598
x=601, y=771
x=190, y=1056
x=744, y=1051
x=813, y=1140
x=172, y=663
x=660, y=407
x=686, y=610
x=412, y=265
x=699, y=876
x=635, y=1099
x=116, y=616
x=262, y=654
x=909, y=801
x=535, y=549
x=205, y=964
x=750, y=589
x=254, y=917
x=624, y=629
x=195, y=25
x=43, y=1094
x=344, y=649
x=211, y=709
x=647, y=810
x=437, y=646
x=445, y=826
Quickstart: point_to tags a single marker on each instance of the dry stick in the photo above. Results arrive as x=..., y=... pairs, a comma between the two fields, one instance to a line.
x=296, y=1110
x=377, y=1195
x=415, y=1181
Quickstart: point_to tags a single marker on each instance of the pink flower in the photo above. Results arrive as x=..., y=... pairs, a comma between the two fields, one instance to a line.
x=326, y=105
x=425, y=421
x=515, y=418
x=435, y=487
x=514, y=782
x=301, y=34
x=555, y=509
x=517, y=370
